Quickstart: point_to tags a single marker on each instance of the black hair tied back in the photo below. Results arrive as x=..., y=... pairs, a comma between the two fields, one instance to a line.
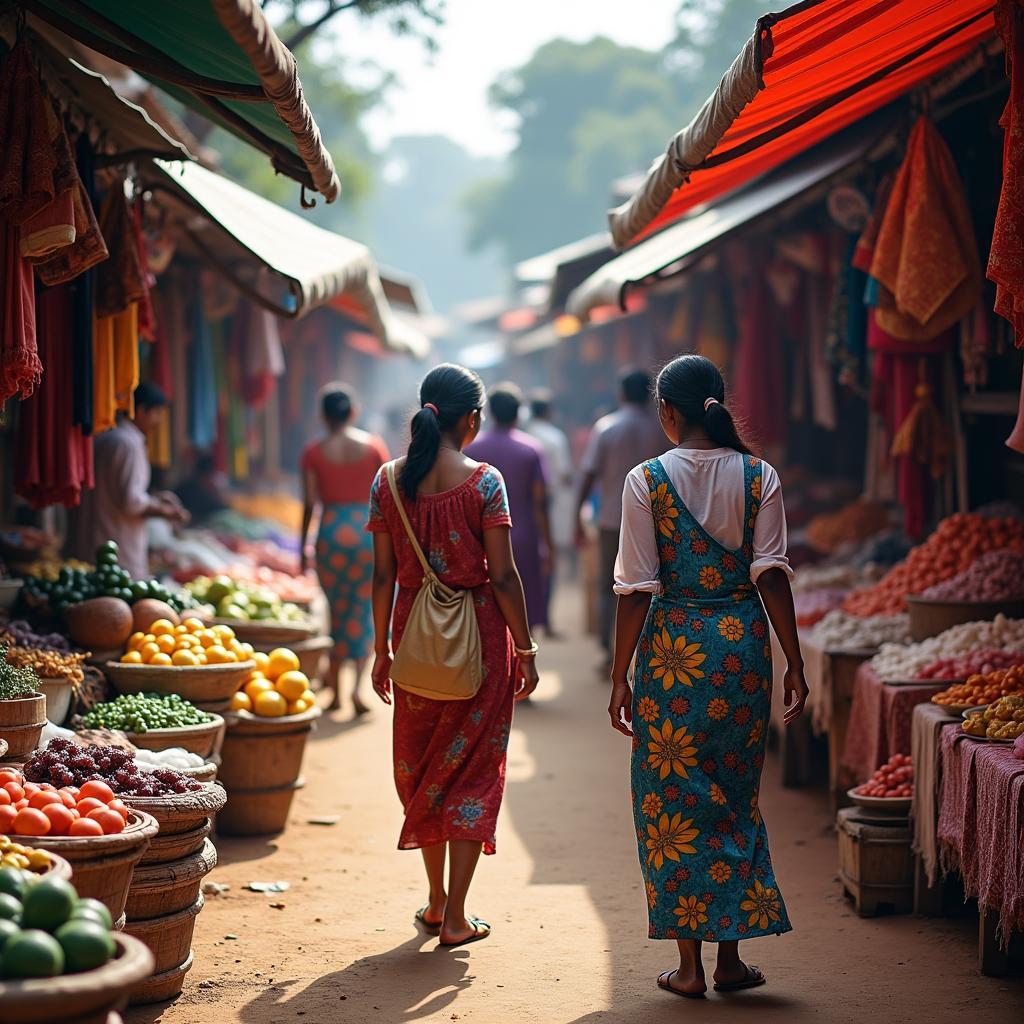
x=336, y=403
x=687, y=383
x=447, y=393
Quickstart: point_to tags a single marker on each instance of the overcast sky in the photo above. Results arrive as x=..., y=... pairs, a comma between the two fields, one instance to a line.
x=447, y=94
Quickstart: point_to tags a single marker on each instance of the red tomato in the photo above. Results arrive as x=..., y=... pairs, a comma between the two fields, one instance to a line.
x=67, y=798
x=21, y=804
x=73, y=790
x=110, y=821
x=5, y=797
x=31, y=822
x=15, y=789
x=120, y=807
x=85, y=827
x=43, y=797
x=97, y=790
x=7, y=816
x=60, y=818
x=88, y=804
x=31, y=788
x=10, y=775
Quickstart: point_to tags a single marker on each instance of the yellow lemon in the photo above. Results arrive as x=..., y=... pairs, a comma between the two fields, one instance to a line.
x=136, y=640
x=224, y=632
x=309, y=697
x=292, y=685
x=132, y=658
x=248, y=650
x=149, y=639
x=297, y=707
x=147, y=652
x=184, y=657
x=160, y=659
x=241, y=702
x=262, y=661
x=208, y=638
x=193, y=625
x=270, y=704
x=255, y=687
x=282, y=660
x=162, y=627
x=218, y=655
x=180, y=630
x=201, y=655
x=166, y=642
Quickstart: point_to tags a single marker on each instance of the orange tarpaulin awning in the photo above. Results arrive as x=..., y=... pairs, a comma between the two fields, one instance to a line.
x=805, y=74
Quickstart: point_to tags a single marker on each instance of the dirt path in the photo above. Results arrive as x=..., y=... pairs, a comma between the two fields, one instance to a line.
x=563, y=894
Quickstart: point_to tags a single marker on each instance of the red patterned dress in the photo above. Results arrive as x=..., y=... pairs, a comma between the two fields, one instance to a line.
x=450, y=755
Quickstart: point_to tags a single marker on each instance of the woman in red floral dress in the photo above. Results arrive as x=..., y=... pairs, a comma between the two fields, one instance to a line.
x=449, y=756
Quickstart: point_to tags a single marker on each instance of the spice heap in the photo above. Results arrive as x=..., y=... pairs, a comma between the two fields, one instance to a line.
x=48, y=664
x=894, y=661
x=956, y=544
x=983, y=689
x=997, y=576
x=15, y=682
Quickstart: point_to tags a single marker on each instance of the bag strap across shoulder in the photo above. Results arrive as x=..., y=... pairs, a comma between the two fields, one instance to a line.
x=400, y=505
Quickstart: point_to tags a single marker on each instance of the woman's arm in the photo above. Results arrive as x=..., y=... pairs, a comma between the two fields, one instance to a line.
x=309, y=502
x=508, y=592
x=773, y=585
x=630, y=616
x=385, y=572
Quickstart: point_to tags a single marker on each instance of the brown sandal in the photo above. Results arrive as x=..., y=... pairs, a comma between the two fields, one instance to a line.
x=665, y=982
x=754, y=979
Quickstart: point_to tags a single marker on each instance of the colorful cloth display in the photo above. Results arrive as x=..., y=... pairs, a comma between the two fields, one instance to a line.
x=1006, y=256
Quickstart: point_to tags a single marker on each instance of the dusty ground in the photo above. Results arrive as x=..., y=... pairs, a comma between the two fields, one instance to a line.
x=563, y=894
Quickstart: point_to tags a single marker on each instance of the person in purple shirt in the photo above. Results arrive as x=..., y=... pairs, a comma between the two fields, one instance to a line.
x=520, y=460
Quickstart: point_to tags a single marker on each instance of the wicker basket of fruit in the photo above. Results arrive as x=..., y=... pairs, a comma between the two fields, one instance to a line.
x=154, y=722
x=62, y=961
x=203, y=684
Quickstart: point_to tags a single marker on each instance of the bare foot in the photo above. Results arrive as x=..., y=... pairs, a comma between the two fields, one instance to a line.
x=431, y=914
x=458, y=933
x=684, y=984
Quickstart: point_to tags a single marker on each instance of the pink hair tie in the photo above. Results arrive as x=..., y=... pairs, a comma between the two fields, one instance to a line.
x=708, y=402
x=433, y=408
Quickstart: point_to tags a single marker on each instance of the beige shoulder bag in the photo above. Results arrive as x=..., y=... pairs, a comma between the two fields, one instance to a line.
x=439, y=656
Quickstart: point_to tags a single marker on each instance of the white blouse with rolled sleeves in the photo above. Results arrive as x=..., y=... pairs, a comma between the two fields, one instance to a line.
x=710, y=484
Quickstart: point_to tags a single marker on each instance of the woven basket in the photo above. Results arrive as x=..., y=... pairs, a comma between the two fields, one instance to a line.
x=264, y=752
x=164, y=849
x=102, y=866
x=161, y=889
x=273, y=634
x=203, y=739
x=163, y=986
x=89, y=996
x=203, y=684
x=181, y=812
x=59, y=868
x=169, y=936
x=258, y=812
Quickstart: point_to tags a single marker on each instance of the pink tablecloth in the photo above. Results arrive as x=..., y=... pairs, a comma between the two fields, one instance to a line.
x=981, y=824
x=879, y=722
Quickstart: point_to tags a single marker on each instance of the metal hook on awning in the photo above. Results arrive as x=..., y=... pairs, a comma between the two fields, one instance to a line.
x=306, y=204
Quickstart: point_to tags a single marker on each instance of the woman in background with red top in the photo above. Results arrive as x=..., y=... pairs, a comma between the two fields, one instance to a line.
x=337, y=474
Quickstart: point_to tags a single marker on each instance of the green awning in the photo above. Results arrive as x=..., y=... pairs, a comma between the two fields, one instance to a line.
x=219, y=57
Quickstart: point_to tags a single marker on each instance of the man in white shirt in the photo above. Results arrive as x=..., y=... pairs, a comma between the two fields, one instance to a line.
x=618, y=442
x=558, y=457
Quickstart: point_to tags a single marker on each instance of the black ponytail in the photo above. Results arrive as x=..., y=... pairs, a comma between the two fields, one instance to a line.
x=336, y=404
x=686, y=383
x=447, y=393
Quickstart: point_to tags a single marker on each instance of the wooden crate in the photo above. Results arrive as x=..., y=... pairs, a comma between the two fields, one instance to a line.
x=876, y=865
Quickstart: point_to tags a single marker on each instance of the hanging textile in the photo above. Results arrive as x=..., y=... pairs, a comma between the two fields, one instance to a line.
x=20, y=365
x=53, y=459
x=120, y=281
x=202, y=390
x=926, y=255
x=1006, y=256
x=257, y=340
x=147, y=280
x=126, y=358
x=104, y=402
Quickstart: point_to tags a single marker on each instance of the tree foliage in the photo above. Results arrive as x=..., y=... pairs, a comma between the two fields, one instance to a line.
x=587, y=113
x=306, y=17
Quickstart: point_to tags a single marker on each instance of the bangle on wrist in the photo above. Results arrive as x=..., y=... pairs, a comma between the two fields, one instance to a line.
x=528, y=652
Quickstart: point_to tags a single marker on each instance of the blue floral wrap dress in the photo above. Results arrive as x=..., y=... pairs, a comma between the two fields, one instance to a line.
x=701, y=702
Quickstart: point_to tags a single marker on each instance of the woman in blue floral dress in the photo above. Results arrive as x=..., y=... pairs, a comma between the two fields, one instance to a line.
x=701, y=560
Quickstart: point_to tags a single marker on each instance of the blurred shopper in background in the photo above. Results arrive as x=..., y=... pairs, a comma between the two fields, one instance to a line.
x=558, y=459
x=617, y=443
x=520, y=460
x=337, y=473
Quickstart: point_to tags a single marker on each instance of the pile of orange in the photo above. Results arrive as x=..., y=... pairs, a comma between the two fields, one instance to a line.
x=275, y=687
x=189, y=645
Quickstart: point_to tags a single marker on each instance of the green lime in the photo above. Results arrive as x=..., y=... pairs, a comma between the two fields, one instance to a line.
x=86, y=945
x=10, y=907
x=32, y=954
x=92, y=910
x=48, y=904
x=7, y=929
x=12, y=882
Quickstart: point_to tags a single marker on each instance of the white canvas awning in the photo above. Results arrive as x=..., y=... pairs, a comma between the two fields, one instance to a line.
x=317, y=266
x=671, y=249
